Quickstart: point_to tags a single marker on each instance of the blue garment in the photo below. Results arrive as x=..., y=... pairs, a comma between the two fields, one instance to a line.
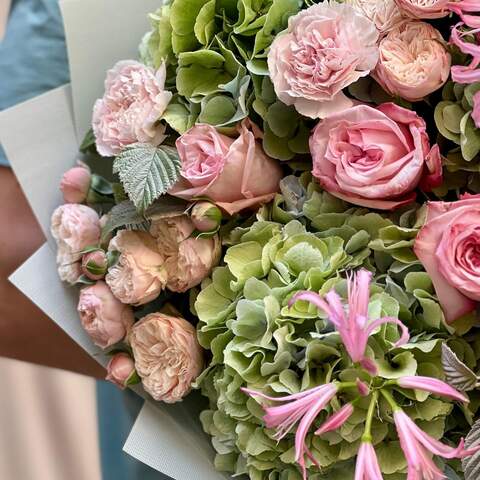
x=33, y=60
x=33, y=56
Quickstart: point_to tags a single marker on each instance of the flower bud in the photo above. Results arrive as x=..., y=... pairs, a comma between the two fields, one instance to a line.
x=95, y=264
x=75, y=184
x=121, y=370
x=206, y=216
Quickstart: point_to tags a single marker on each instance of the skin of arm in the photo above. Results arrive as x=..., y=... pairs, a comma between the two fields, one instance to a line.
x=25, y=332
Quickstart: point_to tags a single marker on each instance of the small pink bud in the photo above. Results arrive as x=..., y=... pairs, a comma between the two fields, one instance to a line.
x=75, y=184
x=120, y=370
x=432, y=385
x=206, y=217
x=362, y=387
x=95, y=264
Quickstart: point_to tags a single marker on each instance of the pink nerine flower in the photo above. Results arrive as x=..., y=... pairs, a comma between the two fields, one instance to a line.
x=432, y=385
x=414, y=61
x=354, y=325
x=335, y=421
x=133, y=102
x=234, y=173
x=325, y=48
x=448, y=246
x=367, y=467
x=303, y=408
x=375, y=157
x=418, y=448
x=476, y=109
x=469, y=73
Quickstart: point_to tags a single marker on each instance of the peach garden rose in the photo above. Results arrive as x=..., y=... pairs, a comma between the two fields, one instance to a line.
x=375, y=157
x=425, y=9
x=414, y=61
x=385, y=14
x=325, y=48
x=234, y=173
x=104, y=317
x=139, y=275
x=448, y=246
x=167, y=356
x=133, y=102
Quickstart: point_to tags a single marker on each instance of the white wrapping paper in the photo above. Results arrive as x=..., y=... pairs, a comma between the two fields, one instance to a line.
x=41, y=139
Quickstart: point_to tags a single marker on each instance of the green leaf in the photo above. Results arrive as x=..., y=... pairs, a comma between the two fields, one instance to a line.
x=147, y=172
x=88, y=143
x=401, y=365
x=123, y=215
x=205, y=23
x=471, y=465
x=457, y=374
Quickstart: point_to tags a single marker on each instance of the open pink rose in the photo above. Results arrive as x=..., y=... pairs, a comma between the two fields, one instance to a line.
x=414, y=61
x=374, y=157
x=326, y=47
x=425, y=9
x=74, y=227
x=139, y=275
x=104, y=318
x=448, y=246
x=233, y=173
x=134, y=100
x=188, y=259
x=476, y=109
x=167, y=356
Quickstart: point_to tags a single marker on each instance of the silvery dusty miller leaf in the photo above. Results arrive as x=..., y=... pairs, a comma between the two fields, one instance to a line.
x=147, y=172
x=471, y=465
x=457, y=374
x=122, y=215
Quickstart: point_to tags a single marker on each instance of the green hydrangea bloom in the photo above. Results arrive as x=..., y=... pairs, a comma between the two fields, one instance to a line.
x=307, y=240
x=216, y=52
x=453, y=118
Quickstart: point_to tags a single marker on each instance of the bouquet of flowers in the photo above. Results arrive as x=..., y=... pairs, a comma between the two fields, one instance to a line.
x=288, y=219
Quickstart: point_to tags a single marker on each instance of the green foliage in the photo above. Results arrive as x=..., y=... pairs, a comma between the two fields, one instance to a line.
x=308, y=240
x=147, y=172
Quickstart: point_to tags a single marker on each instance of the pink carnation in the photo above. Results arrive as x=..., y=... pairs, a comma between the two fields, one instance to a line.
x=133, y=102
x=325, y=48
x=374, y=157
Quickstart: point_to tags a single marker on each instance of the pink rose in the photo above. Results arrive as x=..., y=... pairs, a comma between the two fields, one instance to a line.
x=206, y=217
x=104, y=318
x=448, y=246
x=139, y=275
x=476, y=109
x=413, y=61
x=133, y=102
x=120, y=369
x=424, y=9
x=374, y=157
x=75, y=184
x=233, y=173
x=325, y=48
x=167, y=356
x=385, y=14
x=74, y=227
x=188, y=260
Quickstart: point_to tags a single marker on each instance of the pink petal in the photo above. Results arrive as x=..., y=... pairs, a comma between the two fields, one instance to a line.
x=432, y=385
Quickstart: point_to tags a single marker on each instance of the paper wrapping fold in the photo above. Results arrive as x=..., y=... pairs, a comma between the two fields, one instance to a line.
x=40, y=138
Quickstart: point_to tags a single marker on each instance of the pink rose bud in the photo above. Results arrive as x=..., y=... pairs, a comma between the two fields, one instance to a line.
x=75, y=184
x=121, y=370
x=95, y=264
x=206, y=217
